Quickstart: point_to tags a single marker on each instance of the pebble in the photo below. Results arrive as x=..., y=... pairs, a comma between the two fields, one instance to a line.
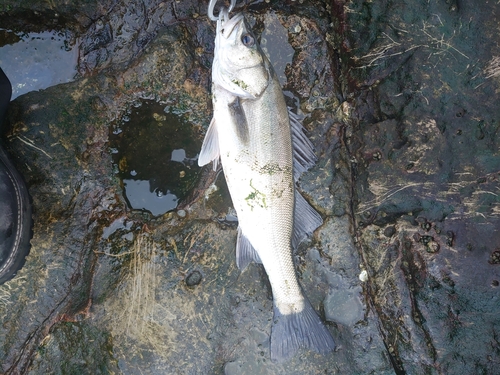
x=193, y=279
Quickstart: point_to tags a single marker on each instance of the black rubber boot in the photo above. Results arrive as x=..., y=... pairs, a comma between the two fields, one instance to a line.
x=15, y=206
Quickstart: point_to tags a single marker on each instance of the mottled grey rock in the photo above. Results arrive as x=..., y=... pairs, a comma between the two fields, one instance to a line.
x=344, y=305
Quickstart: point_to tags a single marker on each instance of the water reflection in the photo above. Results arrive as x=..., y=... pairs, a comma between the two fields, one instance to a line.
x=140, y=197
x=35, y=61
x=154, y=154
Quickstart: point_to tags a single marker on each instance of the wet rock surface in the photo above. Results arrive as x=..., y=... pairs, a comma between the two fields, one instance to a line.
x=427, y=174
x=399, y=101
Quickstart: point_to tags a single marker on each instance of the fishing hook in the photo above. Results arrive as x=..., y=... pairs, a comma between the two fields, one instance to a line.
x=211, y=6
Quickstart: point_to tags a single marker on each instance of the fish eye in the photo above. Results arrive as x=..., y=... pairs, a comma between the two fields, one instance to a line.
x=247, y=40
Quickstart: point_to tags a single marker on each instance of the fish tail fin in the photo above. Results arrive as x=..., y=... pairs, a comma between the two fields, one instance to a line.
x=305, y=329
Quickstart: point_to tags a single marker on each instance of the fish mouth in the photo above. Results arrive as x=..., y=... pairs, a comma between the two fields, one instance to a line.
x=226, y=25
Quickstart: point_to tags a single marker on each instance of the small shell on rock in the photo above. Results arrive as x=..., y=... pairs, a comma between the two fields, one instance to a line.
x=363, y=276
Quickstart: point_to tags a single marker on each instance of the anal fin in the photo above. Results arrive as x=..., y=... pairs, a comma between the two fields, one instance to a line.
x=245, y=253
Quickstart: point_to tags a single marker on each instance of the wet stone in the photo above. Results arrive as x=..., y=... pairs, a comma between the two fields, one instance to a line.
x=193, y=279
x=390, y=231
x=260, y=337
x=344, y=306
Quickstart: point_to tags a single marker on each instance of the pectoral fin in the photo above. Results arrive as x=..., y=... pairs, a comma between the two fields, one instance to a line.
x=303, y=150
x=239, y=120
x=210, y=148
x=245, y=253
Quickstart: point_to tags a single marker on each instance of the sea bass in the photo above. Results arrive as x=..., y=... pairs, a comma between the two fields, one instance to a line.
x=263, y=150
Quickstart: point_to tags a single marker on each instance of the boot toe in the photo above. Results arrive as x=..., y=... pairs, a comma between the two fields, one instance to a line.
x=15, y=219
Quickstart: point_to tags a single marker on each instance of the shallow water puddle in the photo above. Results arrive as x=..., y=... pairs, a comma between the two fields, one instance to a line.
x=155, y=156
x=35, y=61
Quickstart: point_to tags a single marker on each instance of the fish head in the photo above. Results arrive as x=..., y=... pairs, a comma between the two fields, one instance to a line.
x=240, y=65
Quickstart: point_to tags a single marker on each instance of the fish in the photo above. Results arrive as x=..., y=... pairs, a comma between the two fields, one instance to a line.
x=263, y=150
